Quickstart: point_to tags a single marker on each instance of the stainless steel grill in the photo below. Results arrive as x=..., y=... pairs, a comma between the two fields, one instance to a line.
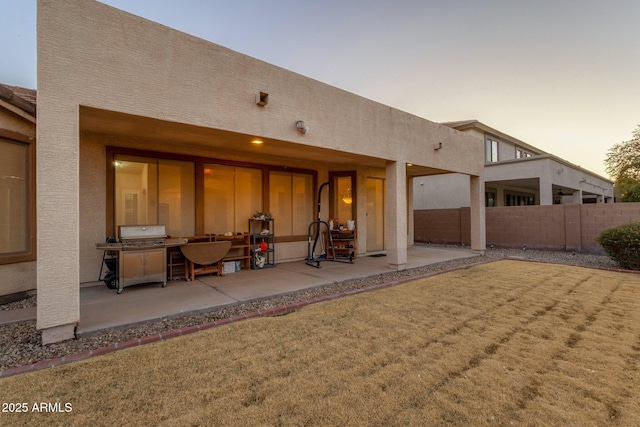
x=141, y=256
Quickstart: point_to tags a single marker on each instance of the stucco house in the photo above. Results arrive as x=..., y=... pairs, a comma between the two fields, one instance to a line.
x=515, y=174
x=140, y=123
x=17, y=189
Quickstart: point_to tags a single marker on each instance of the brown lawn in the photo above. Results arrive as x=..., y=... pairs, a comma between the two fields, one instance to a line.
x=505, y=343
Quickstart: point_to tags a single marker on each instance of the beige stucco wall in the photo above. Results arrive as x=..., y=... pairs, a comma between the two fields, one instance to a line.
x=90, y=54
x=125, y=63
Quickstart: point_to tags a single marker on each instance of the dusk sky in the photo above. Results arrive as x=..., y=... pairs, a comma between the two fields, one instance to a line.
x=562, y=75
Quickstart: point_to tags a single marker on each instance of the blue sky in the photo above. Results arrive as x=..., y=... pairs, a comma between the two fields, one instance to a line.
x=562, y=75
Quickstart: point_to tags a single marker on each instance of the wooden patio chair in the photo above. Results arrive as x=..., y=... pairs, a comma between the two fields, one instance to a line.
x=204, y=258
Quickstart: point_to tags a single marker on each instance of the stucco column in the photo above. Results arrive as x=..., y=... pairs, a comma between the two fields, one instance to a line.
x=577, y=197
x=546, y=191
x=396, y=215
x=477, y=212
x=410, y=219
x=57, y=186
x=499, y=196
x=58, y=270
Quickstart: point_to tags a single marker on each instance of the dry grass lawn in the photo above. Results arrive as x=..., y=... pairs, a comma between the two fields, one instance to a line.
x=505, y=343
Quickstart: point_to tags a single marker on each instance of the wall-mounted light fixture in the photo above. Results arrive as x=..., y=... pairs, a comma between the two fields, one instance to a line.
x=437, y=146
x=301, y=127
x=346, y=197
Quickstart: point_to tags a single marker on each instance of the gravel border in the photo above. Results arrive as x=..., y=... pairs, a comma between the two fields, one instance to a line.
x=21, y=349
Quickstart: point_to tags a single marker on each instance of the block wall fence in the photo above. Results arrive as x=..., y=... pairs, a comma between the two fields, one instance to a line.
x=571, y=227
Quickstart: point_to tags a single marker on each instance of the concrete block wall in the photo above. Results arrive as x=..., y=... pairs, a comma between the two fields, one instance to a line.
x=441, y=226
x=519, y=226
x=571, y=227
x=599, y=217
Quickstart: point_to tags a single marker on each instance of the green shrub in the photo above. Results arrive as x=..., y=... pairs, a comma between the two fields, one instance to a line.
x=622, y=244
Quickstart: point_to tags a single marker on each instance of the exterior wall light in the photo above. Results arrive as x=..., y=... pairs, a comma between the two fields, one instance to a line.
x=301, y=127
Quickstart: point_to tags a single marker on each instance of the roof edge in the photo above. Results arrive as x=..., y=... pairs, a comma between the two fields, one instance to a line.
x=473, y=123
x=17, y=97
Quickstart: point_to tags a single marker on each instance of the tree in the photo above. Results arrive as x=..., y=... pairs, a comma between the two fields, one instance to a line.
x=623, y=164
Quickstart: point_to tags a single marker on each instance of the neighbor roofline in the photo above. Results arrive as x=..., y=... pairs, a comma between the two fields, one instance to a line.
x=475, y=124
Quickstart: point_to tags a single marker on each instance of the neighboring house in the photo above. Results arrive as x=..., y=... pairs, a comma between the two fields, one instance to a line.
x=515, y=174
x=140, y=123
x=17, y=189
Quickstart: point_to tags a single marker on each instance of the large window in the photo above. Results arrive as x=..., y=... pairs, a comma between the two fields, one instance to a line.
x=155, y=191
x=193, y=196
x=291, y=202
x=231, y=195
x=15, y=200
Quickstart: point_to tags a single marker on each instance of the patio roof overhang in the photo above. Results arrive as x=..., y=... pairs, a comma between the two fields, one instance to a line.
x=182, y=137
x=533, y=184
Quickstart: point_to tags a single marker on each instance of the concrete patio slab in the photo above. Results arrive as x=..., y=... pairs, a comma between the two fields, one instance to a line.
x=102, y=308
x=11, y=316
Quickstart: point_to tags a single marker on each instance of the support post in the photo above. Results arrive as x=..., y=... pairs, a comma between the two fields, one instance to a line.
x=477, y=212
x=396, y=215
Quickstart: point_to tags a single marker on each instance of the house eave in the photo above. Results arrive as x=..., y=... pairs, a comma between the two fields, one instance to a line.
x=13, y=102
x=553, y=158
x=475, y=124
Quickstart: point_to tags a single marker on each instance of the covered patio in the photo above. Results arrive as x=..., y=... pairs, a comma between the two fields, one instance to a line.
x=180, y=132
x=101, y=308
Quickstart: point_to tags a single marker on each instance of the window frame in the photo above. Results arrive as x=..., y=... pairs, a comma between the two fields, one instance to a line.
x=491, y=150
x=333, y=176
x=30, y=253
x=521, y=153
x=157, y=193
x=311, y=215
x=199, y=166
x=237, y=223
